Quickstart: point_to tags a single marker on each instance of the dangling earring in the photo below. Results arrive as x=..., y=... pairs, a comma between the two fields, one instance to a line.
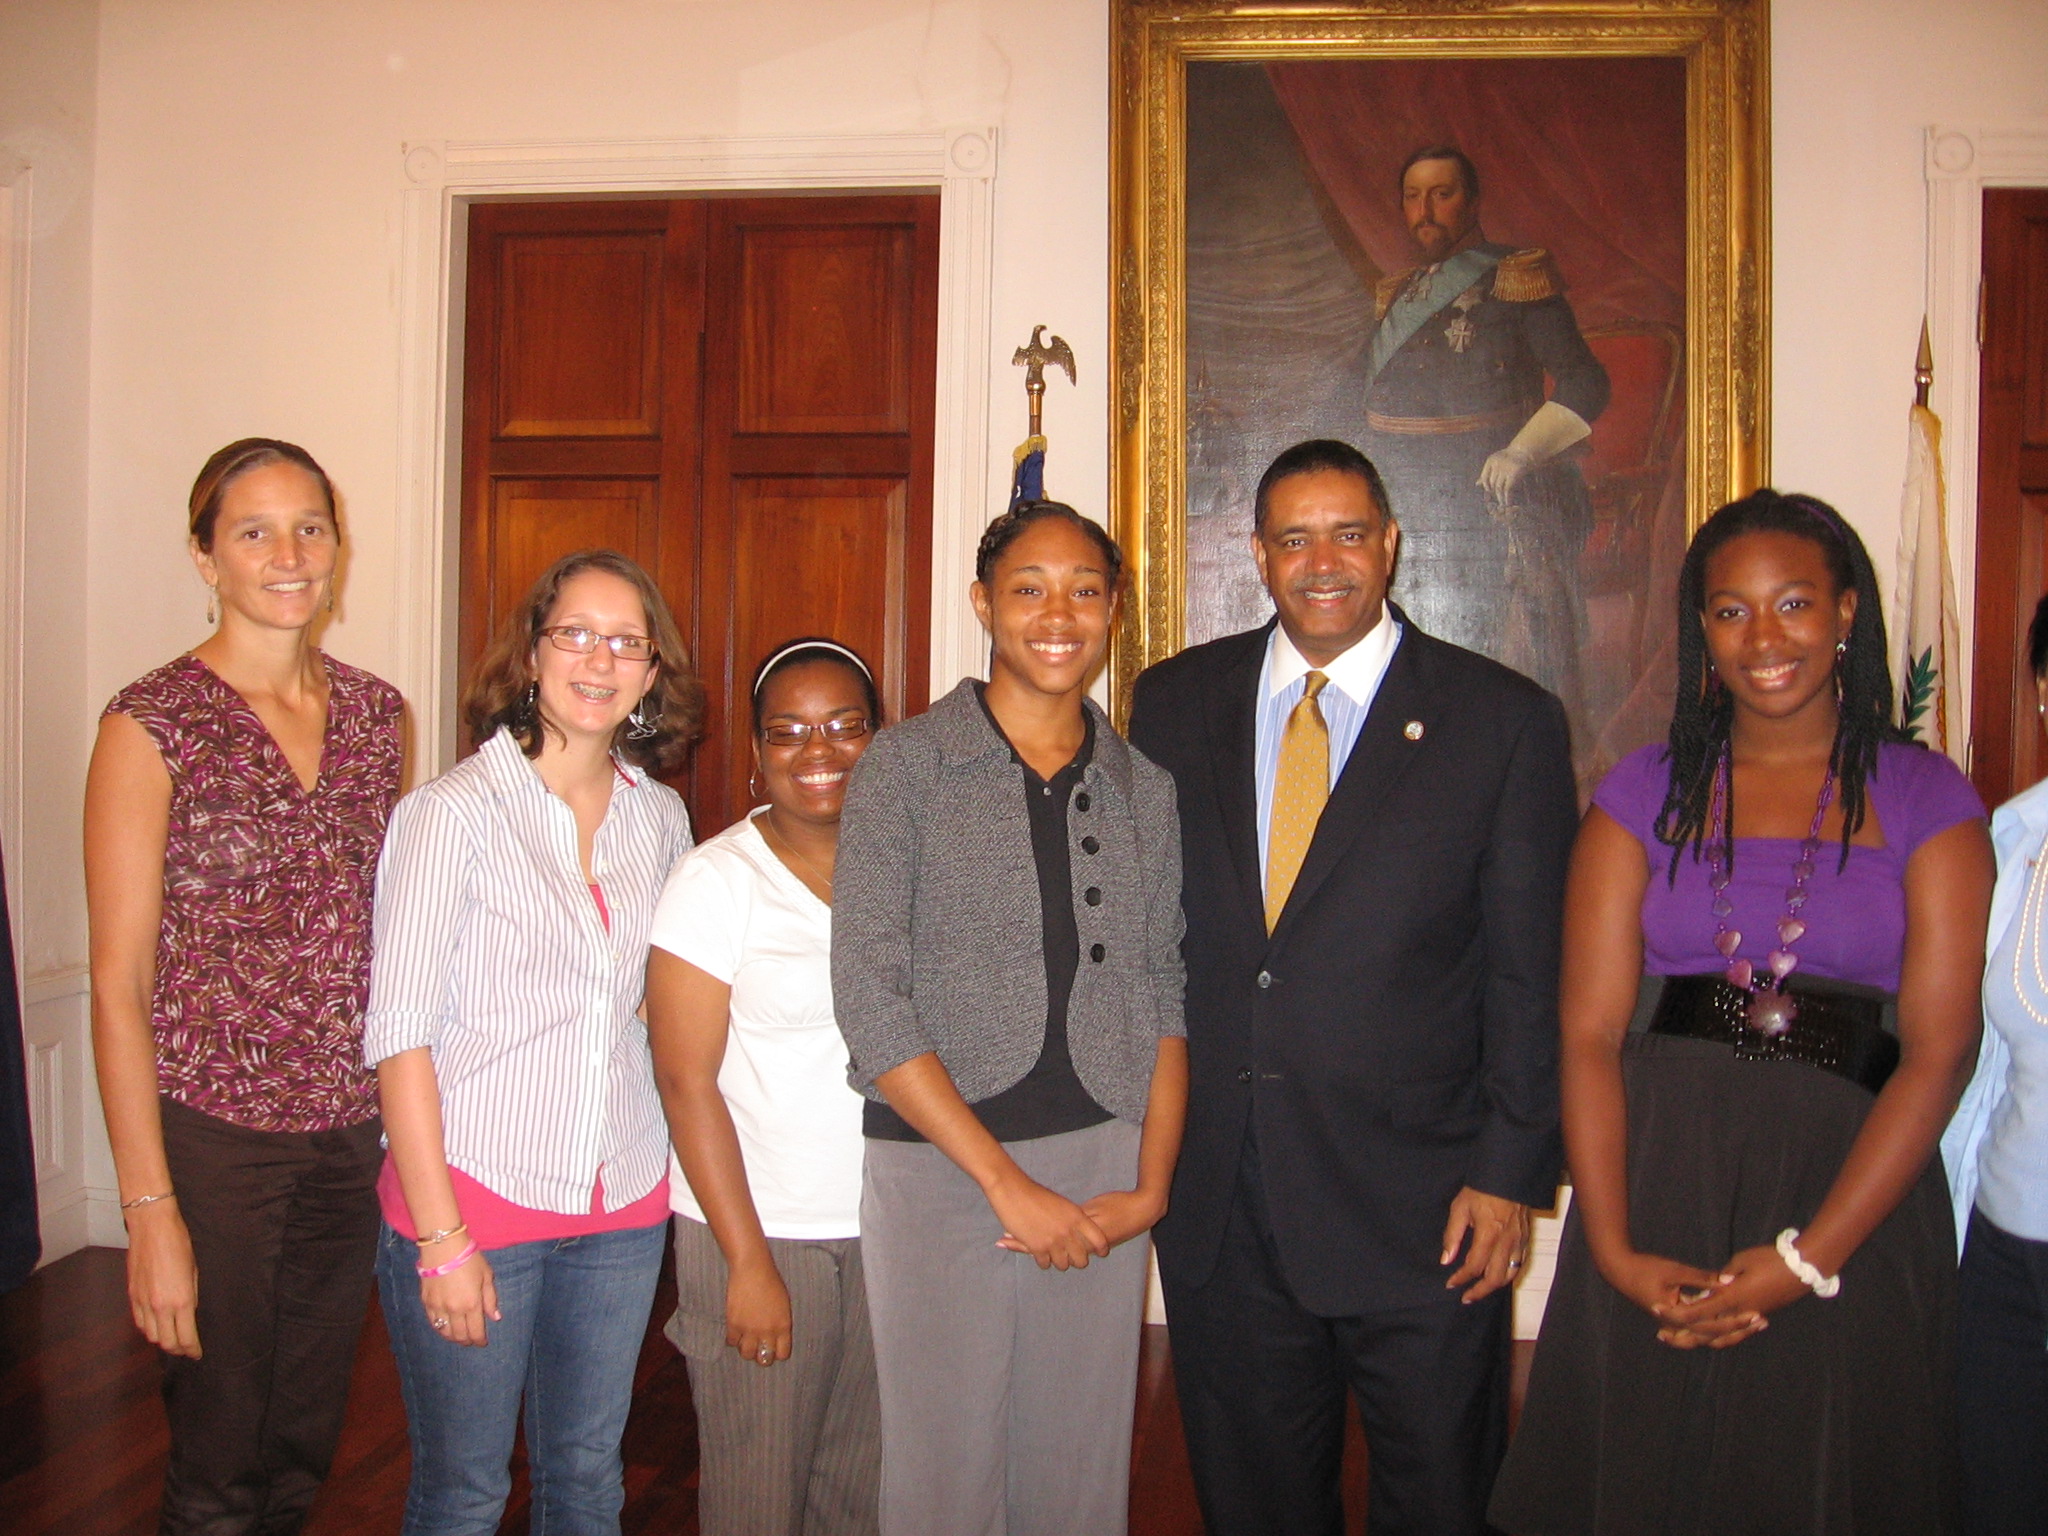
x=754, y=783
x=212, y=613
x=330, y=595
x=1841, y=655
x=639, y=725
x=529, y=706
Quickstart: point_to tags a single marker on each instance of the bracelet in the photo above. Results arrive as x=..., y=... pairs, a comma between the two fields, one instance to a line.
x=435, y=1271
x=129, y=1205
x=443, y=1235
x=1820, y=1284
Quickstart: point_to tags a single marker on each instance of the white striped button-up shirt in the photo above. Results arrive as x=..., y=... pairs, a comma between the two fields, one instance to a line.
x=490, y=952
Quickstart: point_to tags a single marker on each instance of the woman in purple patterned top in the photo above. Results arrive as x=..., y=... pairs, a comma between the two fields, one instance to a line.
x=1774, y=936
x=234, y=809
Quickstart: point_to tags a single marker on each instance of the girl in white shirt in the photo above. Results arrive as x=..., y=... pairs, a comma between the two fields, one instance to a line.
x=771, y=1307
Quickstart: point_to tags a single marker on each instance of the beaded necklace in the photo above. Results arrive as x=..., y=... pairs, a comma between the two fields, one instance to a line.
x=2027, y=942
x=1770, y=1010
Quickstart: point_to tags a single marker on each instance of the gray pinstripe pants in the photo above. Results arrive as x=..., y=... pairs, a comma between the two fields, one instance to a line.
x=1007, y=1390
x=793, y=1449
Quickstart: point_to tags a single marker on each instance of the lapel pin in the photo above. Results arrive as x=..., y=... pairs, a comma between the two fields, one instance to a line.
x=1412, y=730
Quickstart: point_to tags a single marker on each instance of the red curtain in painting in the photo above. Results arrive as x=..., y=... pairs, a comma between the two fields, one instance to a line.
x=1585, y=157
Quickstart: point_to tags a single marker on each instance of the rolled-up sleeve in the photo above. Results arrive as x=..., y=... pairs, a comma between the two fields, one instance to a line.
x=421, y=905
x=1165, y=923
x=874, y=895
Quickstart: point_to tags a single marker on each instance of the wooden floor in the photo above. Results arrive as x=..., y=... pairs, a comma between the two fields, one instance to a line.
x=82, y=1437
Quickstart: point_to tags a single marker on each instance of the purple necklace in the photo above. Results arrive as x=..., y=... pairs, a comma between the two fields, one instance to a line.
x=1770, y=1010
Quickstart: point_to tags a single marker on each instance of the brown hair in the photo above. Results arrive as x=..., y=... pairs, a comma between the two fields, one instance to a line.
x=229, y=464
x=497, y=697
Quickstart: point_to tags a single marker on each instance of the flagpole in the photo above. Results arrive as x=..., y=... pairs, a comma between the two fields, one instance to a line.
x=1926, y=638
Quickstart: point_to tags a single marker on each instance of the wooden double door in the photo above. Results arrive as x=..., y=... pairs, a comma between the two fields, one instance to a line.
x=737, y=393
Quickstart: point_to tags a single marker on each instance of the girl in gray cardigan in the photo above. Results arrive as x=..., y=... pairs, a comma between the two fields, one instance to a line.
x=1006, y=970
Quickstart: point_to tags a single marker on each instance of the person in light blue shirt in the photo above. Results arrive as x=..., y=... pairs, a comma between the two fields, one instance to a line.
x=1996, y=1152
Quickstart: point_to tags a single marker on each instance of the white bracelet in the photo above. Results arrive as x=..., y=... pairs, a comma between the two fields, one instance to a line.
x=1820, y=1284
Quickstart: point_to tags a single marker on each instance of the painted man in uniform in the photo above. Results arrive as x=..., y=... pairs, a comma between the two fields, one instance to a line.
x=1494, y=509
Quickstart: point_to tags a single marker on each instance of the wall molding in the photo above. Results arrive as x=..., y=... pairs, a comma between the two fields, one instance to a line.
x=439, y=180
x=50, y=986
x=1962, y=161
x=16, y=212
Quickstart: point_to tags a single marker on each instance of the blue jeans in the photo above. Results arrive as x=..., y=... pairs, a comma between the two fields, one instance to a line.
x=575, y=1312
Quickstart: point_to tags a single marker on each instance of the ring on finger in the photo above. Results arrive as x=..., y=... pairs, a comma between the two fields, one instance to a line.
x=438, y=1322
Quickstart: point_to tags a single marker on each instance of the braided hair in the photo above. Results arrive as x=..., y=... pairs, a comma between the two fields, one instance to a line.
x=1703, y=712
x=1008, y=528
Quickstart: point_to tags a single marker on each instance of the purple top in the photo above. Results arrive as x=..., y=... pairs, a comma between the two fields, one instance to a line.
x=1855, y=919
x=263, y=956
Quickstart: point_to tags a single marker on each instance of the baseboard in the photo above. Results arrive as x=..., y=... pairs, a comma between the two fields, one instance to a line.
x=66, y=1226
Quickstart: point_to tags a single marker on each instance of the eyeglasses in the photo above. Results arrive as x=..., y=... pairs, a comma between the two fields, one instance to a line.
x=581, y=642
x=834, y=731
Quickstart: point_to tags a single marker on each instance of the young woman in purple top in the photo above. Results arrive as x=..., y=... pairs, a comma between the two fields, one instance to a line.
x=1774, y=936
x=233, y=813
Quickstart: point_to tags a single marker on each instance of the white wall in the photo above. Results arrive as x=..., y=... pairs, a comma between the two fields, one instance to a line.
x=244, y=182
x=1854, y=85
x=249, y=181
x=47, y=89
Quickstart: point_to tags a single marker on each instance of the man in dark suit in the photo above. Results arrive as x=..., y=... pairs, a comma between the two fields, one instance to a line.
x=1374, y=830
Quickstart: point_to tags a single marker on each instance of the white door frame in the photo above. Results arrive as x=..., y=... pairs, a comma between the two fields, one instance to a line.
x=1961, y=162
x=441, y=179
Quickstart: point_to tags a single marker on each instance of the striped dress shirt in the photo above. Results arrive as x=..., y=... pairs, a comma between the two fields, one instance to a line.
x=1354, y=682
x=490, y=952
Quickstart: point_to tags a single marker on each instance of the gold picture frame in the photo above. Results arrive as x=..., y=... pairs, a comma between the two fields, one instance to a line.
x=1723, y=383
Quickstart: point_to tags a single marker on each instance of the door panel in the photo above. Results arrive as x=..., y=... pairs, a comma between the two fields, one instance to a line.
x=534, y=522
x=581, y=319
x=823, y=347
x=836, y=550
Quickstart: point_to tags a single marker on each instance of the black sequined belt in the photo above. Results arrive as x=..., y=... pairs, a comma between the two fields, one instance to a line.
x=1849, y=1030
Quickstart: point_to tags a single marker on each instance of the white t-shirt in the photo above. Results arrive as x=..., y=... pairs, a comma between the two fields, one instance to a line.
x=733, y=910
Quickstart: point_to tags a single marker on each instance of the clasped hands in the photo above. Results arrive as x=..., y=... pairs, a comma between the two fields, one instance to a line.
x=1698, y=1307
x=1061, y=1234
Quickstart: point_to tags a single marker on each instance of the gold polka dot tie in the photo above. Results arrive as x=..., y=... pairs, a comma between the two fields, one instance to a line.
x=1301, y=784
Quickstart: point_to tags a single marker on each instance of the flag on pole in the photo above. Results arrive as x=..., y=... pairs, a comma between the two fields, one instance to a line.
x=1926, y=642
x=1027, y=475
x=1027, y=471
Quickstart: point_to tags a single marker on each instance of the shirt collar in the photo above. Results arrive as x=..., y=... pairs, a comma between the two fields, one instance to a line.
x=1355, y=672
x=513, y=769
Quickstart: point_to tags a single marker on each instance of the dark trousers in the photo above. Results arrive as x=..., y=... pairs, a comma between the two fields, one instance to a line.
x=2002, y=1381
x=284, y=1232
x=1262, y=1382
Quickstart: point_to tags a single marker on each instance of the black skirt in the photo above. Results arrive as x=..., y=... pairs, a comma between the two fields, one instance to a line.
x=1837, y=1419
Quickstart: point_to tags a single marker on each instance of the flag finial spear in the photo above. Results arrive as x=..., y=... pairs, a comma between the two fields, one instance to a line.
x=1923, y=367
x=1032, y=358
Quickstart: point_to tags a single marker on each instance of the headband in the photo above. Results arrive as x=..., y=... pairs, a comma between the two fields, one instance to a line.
x=796, y=647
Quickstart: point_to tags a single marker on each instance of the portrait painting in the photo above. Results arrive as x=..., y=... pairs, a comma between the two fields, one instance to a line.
x=1480, y=263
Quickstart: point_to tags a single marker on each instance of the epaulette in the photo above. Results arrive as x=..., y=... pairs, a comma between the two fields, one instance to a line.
x=1388, y=289
x=1522, y=277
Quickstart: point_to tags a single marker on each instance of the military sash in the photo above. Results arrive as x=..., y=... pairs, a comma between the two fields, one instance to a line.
x=1422, y=297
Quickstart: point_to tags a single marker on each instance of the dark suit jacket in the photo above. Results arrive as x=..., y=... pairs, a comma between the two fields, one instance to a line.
x=1396, y=1037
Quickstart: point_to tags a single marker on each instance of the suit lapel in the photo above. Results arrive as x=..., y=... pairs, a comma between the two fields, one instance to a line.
x=1378, y=760
x=1233, y=707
